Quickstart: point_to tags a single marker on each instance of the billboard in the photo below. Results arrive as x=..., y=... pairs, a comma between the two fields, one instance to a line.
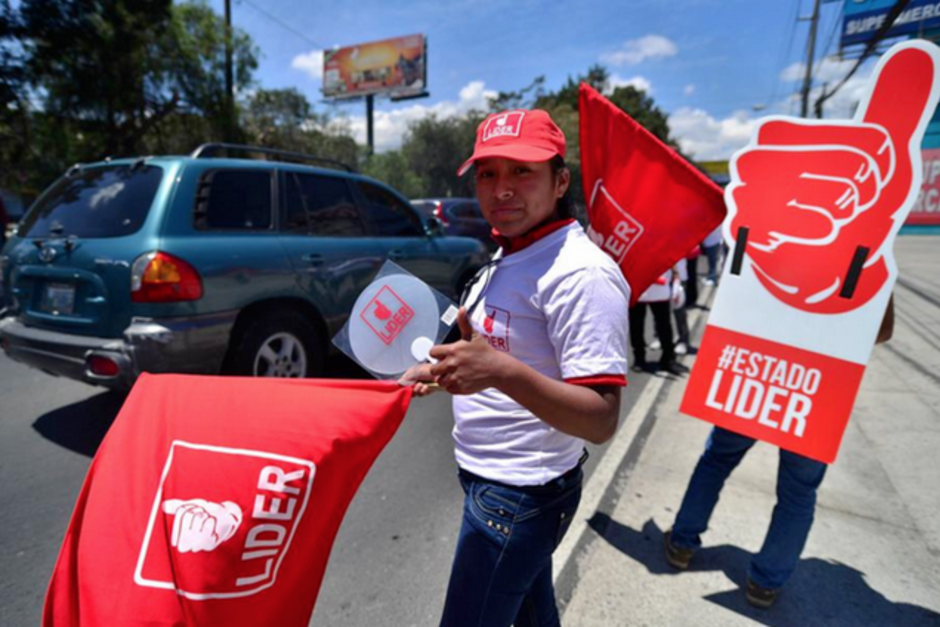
x=863, y=18
x=926, y=210
x=396, y=67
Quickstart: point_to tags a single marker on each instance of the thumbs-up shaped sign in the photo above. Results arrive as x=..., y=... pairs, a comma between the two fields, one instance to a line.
x=812, y=193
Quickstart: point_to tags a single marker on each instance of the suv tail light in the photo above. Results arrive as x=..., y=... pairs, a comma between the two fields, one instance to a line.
x=159, y=277
x=439, y=213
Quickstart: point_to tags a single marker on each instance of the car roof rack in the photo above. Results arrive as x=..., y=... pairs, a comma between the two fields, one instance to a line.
x=208, y=150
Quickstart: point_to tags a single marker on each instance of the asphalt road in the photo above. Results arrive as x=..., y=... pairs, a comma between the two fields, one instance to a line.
x=390, y=562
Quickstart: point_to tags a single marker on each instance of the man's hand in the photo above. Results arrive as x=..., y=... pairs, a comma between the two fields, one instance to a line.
x=469, y=365
x=811, y=193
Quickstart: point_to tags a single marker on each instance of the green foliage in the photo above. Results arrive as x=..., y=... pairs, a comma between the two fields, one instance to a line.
x=283, y=119
x=392, y=169
x=435, y=148
x=110, y=77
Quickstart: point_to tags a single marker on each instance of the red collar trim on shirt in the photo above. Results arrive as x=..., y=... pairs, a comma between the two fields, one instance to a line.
x=515, y=244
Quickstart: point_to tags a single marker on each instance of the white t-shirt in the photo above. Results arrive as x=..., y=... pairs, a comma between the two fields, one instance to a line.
x=559, y=306
x=661, y=289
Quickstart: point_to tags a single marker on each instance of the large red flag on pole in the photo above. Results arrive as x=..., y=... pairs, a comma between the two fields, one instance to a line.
x=648, y=207
x=216, y=500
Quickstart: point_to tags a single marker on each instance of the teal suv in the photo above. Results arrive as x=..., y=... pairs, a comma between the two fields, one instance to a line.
x=204, y=264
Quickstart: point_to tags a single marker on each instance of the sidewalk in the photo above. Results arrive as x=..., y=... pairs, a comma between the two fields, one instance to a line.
x=873, y=556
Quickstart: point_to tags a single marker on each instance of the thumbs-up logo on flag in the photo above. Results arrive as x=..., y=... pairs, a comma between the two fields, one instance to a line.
x=811, y=193
x=223, y=548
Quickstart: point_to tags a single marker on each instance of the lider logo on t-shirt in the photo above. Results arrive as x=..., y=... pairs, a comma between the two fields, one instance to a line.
x=496, y=327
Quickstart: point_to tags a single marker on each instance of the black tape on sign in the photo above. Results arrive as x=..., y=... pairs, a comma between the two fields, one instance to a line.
x=739, y=245
x=855, y=271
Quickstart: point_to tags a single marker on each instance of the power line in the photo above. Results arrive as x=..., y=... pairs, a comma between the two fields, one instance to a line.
x=869, y=48
x=828, y=46
x=282, y=24
x=786, y=55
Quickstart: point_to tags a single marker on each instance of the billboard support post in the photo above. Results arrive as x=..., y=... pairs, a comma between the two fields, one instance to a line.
x=370, y=107
x=229, y=80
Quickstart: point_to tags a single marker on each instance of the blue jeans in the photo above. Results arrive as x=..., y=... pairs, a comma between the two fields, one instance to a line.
x=502, y=572
x=798, y=478
x=712, y=253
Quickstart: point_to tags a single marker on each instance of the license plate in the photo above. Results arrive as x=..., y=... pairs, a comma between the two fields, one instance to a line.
x=59, y=299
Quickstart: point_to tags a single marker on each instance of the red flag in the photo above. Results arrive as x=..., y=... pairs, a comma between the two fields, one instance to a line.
x=215, y=500
x=648, y=207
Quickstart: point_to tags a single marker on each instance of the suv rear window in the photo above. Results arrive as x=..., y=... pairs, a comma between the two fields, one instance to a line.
x=95, y=202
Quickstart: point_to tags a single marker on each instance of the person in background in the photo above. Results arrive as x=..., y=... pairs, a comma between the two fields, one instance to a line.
x=679, y=303
x=691, y=280
x=657, y=298
x=798, y=480
x=538, y=370
x=711, y=245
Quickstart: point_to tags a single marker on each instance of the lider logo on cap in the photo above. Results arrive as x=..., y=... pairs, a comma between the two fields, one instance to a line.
x=222, y=534
x=387, y=314
x=508, y=124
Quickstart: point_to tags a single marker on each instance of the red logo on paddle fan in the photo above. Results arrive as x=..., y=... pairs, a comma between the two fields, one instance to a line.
x=387, y=314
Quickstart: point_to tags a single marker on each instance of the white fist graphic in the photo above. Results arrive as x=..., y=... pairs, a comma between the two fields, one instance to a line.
x=200, y=525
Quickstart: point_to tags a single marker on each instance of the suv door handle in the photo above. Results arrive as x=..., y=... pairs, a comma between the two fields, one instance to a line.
x=314, y=259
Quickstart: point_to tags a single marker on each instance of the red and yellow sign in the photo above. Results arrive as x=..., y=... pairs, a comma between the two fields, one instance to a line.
x=816, y=206
x=395, y=66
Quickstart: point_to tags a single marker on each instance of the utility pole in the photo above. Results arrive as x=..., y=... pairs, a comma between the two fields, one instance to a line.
x=810, y=53
x=229, y=81
x=370, y=110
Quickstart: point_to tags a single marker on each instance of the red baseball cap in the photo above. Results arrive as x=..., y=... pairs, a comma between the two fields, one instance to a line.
x=520, y=134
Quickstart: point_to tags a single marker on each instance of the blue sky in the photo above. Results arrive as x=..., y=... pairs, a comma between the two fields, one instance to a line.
x=707, y=63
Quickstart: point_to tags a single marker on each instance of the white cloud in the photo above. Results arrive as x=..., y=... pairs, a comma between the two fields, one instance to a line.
x=640, y=82
x=311, y=63
x=389, y=127
x=636, y=51
x=689, y=90
x=829, y=74
x=705, y=138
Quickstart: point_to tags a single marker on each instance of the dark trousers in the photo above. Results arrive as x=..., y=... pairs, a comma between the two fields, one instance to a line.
x=691, y=284
x=663, y=324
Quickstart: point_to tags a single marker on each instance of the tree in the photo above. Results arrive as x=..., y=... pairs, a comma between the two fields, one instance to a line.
x=95, y=65
x=392, y=169
x=434, y=148
x=14, y=121
x=194, y=70
x=284, y=119
x=91, y=78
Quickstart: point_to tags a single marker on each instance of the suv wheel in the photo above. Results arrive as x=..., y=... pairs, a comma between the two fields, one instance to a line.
x=282, y=345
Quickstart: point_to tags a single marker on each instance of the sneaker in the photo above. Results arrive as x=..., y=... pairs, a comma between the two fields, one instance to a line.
x=759, y=596
x=677, y=556
x=682, y=348
x=655, y=345
x=643, y=366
